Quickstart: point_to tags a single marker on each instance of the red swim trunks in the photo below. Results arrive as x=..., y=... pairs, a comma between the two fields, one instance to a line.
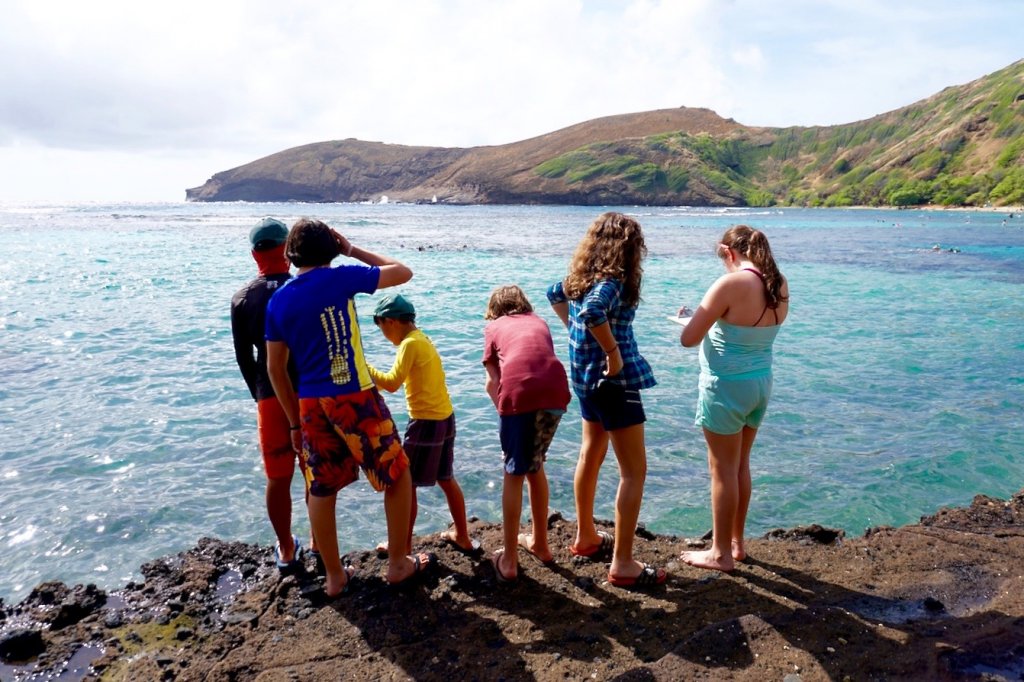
x=275, y=440
x=345, y=433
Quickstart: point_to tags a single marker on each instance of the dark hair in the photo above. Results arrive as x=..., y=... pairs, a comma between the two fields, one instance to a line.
x=311, y=243
x=613, y=248
x=507, y=300
x=754, y=245
x=404, y=317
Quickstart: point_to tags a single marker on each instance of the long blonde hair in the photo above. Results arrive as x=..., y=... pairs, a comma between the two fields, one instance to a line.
x=613, y=248
x=753, y=244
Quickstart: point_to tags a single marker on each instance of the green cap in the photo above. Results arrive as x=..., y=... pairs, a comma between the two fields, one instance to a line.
x=394, y=306
x=267, y=234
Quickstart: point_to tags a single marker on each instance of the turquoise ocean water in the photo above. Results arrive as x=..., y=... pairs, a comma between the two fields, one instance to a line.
x=126, y=432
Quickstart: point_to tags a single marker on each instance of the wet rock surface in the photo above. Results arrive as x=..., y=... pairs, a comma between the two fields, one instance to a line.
x=941, y=599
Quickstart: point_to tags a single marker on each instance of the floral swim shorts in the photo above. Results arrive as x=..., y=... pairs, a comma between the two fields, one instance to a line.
x=345, y=433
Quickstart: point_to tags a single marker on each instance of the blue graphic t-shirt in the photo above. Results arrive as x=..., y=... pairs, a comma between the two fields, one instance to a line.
x=315, y=315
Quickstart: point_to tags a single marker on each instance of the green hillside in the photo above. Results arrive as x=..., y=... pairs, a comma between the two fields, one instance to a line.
x=961, y=147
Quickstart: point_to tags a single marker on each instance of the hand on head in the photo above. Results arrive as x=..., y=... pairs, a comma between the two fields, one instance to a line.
x=344, y=245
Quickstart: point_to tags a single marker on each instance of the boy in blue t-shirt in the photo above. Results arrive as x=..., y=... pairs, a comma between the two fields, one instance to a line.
x=342, y=424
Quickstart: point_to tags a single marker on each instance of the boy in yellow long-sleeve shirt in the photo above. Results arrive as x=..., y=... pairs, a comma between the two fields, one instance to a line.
x=430, y=435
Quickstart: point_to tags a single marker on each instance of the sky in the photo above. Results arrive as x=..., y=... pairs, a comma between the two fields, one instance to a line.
x=112, y=100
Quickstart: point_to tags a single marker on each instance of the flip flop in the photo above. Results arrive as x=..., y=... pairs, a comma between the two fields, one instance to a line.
x=422, y=563
x=501, y=577
x=318, y=561
x=649, y=576
x=602, y=548
x=288, y=567
x=475, y=549
x=320, y=597
x=350, y=574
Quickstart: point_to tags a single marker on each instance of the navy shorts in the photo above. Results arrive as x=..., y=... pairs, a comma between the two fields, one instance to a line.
x=525, y=439
x=614, y=405
x=430, y=446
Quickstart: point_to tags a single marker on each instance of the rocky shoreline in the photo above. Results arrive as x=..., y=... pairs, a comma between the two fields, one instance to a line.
x=941, y=599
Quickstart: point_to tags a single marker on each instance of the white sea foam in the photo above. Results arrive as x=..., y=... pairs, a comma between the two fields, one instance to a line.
x=22, y=536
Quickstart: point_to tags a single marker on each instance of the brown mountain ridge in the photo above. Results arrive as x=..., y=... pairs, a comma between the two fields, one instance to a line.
x=961, y=146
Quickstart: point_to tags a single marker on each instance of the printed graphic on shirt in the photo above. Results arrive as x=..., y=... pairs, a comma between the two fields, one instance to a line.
x=335, y=330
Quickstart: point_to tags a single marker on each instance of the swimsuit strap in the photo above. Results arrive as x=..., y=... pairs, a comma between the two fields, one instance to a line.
x=756, y=272
x=776, y=312
x=762, y=315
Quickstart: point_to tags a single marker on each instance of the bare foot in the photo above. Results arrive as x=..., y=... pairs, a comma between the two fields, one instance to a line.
x=466, y=544
x=707, y=559
x=334, y=587
x=411, y=567
x=542, y=553
x=738, y=552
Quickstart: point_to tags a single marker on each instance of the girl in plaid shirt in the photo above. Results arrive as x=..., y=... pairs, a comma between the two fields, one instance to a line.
x=597, y=301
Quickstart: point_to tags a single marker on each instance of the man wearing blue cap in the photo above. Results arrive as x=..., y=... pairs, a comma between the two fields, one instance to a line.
x=248, y=315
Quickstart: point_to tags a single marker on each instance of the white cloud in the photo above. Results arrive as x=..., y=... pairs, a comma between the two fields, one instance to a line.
x=749, y=56
x=191, y=88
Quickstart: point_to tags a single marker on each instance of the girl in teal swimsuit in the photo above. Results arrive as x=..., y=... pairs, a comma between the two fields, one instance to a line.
x=735, y=325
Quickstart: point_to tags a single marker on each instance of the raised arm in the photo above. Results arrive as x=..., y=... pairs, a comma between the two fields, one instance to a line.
x=392, y=272
x=712, y=307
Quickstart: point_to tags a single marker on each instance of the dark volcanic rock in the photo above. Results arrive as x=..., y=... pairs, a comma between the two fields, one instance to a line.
x=812, y=533
x=927, y=601
x=21, y=645
x=59, y=606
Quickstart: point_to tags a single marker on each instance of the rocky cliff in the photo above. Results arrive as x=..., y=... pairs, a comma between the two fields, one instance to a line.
x=942, y=599
x=962, y=146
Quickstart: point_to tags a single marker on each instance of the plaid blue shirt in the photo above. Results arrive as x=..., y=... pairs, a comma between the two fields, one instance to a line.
x=602, y=303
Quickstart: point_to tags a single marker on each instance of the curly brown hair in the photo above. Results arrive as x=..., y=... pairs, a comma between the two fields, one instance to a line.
x=754, y=245
x=507, y=300
x=613, y=248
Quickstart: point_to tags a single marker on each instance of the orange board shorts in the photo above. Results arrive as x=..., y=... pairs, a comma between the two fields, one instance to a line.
x=345, y=433
x=275, y=440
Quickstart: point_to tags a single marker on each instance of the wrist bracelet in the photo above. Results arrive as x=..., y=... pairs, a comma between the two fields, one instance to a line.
x=294, y=428
x=351, y=247
x=612, y=350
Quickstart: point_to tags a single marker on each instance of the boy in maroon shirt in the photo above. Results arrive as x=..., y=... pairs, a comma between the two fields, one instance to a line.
x=529, y=388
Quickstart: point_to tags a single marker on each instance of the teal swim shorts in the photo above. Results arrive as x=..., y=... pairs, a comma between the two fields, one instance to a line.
x=726, y=405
